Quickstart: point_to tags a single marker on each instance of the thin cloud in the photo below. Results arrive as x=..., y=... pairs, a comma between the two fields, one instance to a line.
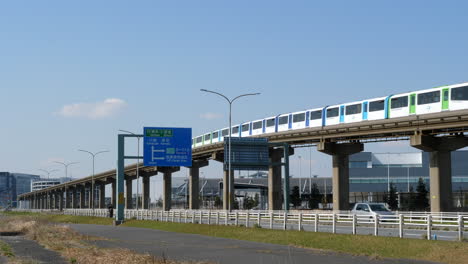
x=98, y=110
x=210, y=116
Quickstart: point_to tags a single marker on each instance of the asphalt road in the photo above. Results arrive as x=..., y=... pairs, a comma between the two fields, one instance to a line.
x=192, y=247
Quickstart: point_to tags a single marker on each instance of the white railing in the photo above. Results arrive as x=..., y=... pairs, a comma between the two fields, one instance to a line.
x=427, y=225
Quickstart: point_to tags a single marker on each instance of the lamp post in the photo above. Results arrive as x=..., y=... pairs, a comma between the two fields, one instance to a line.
x=48, y=172
x=300, y=175
x=137, y=170
x=66, y=166
x=92, y=177
x=230, y=101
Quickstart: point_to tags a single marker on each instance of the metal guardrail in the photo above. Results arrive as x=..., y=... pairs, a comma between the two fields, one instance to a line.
x=315, y=222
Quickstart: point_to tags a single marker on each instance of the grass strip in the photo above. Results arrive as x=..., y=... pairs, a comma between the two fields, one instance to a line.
x=5, y=250
x=384, y=247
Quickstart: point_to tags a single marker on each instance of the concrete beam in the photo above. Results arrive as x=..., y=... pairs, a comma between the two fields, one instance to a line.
x=340, y=159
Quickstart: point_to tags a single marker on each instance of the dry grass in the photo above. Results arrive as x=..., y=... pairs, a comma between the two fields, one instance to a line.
x=72, y=245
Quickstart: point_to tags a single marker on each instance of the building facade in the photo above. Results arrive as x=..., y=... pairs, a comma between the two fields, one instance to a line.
x=12, y=185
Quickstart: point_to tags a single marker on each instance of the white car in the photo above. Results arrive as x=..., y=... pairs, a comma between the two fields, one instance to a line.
x=371, y=209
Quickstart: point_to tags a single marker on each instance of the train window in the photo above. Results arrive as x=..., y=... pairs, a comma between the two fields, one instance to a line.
x=225, y=132
x=215, y=134
x=399, y=102
x=332, y=112
x=199, y=139
x=429, y=98
x=299, y=117
x=235, y=130
x=353, y=109
x=316, y=115
x=283, y=120
x=270, y=122
x=245, y=127
x=257, y=125
x=377, y=106
x=207, y=137
x=460, y=93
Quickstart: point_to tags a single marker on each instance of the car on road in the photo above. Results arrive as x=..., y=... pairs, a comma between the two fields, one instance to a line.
x=372, y=209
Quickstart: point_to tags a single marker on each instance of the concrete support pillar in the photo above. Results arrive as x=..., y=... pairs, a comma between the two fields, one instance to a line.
x=82, y=197
x=102, y=195
x=194, y=183
x=74, y=198
x=52, y=200
x=60, y=200
x=167, y=191
x=129, y=194
x=274, y=180
x=145, y=200
x=440, y=167
x=114, y=192
x=90, y=197
x=67, y=198
x=340, y=181
x=194, y=188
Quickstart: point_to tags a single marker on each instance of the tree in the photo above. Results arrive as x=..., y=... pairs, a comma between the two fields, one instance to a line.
x=315, y=197
x=249, y=202
x=256, y=200
x=159, y=202
x=392, y=199
x=295, y=197
x=421, y=201
x=412, y=200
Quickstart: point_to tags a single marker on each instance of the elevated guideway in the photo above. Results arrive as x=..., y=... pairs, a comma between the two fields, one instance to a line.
x=438, y=133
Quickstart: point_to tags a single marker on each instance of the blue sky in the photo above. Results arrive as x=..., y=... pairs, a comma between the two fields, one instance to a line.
x=73, y=73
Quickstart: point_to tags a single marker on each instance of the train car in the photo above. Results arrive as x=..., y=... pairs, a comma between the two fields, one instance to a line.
x=223, y=133
x=299, y=120
x=283, y=122
x=198, y=141
x=333, y=115
x=354, y=112
x=377, y=108
x=207, y=139
x=235, y=132
x=428, y=101
x=458, y=97
x=399, y=105
x=257, y=127
x=215, y=138
x=245, y=129
x=270, y=124
x=315, y=117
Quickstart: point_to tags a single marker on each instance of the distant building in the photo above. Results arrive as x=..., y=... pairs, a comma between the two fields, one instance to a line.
x=40, y=184
x=14, y=184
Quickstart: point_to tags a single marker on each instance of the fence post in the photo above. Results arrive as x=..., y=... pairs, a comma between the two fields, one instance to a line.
x=376, y=225
x=316, y=223
x=247, y=218
x=217, y=217
x=401, y=223
x=285, y=221
x=259, y=219
x=271, y=220
x=209, y=217
x=193, y=217
x=460, y=227
x=201, y=217
x=226, y=213
x=354, y=224
x=429, y=227
x=236, y=220
x=299, y=222
x=334, y=223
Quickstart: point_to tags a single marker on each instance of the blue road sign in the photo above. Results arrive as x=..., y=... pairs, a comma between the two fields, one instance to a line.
x=167, y=146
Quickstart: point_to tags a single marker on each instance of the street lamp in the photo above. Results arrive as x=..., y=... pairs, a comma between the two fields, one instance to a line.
x=66, y=166
x=92, y=177
x=138, y=161
x=230, y=101
x=48, y=172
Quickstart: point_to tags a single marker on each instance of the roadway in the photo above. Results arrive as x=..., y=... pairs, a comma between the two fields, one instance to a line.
x=190, y=247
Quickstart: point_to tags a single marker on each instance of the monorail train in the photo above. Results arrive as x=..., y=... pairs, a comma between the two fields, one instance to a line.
x=444, y=98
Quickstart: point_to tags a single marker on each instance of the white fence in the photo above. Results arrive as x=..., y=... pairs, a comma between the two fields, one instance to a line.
x=426, y=224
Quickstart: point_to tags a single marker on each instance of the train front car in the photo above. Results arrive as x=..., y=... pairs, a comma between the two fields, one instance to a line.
x=458, y=96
